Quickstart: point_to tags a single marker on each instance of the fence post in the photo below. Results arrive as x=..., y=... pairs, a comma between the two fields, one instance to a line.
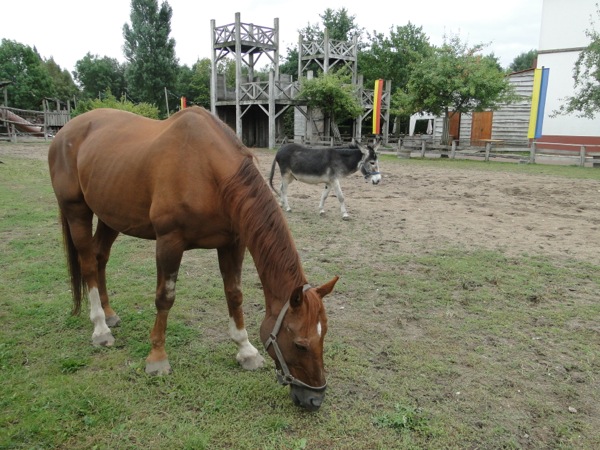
x=423, y=148
x=582, y=156
x=488, y=147
x=532, y=153
x=453, y=150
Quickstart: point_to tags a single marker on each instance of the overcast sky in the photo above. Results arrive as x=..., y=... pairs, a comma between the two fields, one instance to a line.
x=67, y=30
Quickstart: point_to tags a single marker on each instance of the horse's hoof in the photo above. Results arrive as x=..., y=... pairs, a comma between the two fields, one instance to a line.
x=345, y=217
x=113, y=321
x=158, y=368
x=252, y=363
x=321, y=213
x=288, y=209
x=103, y=340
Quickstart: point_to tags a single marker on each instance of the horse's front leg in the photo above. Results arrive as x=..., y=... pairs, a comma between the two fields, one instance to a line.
x=340, y=196
x=230, y=264
x=168, y=258
x=324, y=196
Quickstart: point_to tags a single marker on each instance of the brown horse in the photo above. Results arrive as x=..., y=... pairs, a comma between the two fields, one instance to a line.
x=186, y=182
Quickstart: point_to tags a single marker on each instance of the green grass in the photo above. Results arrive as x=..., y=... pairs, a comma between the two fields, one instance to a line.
x=447, y=350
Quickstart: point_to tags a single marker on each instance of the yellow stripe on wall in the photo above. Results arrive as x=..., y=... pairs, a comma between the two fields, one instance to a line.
x=535, y=102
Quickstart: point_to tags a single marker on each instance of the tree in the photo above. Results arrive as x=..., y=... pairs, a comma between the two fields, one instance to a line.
x=97, y=75
x=391, y=58
x=586, y=75
x=340, y=25
x=454, y=77
x=64, y=86
x=523, y=61
x=31, y=82
x=150, y=51
x=194, y=83
x=333, y=94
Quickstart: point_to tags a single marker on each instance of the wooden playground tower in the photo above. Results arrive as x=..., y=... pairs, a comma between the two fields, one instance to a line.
x=253, y=107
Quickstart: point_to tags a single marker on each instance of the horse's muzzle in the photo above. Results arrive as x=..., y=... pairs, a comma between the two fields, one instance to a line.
x=307, y=398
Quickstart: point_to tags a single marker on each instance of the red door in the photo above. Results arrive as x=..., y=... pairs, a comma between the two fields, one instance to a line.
x=481, y=127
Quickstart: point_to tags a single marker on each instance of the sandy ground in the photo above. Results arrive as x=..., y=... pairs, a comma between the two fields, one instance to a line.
x=429, y=207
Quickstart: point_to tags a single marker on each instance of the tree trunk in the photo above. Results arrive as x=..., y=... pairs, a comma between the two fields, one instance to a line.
x=446, y=129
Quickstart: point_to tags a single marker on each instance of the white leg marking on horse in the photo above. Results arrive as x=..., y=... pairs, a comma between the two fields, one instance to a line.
x=319, y=329
x=248, y=357
x=102, y=334
x=170, y=287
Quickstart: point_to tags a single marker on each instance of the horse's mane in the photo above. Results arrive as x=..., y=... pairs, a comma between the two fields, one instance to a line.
x=262, y=228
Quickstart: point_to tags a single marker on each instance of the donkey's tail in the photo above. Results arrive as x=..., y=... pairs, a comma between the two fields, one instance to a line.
x=271, y=175
x=77, y=283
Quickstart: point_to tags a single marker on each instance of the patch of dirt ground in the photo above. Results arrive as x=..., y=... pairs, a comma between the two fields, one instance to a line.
x=431, y=207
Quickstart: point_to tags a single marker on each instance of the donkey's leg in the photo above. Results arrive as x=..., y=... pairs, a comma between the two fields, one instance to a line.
x=230, y=264
x=286, y=179
x=80, y=225
x=339, y=194
x=169, y=251
x=103, y=240
x=324, y=196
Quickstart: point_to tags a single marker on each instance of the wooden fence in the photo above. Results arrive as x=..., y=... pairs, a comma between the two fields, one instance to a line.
x=579, y=154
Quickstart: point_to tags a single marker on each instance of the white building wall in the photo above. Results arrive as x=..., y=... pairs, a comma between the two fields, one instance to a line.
x=562, y=37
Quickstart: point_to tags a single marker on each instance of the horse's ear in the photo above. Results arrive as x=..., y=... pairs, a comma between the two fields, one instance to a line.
x=296, y=297
x=327, y=287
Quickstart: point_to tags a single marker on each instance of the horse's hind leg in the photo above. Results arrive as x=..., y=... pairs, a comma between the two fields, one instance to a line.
x=324, y=196
x=230, y=264
x=80, y=226
x=340, y=195
x=103, y=240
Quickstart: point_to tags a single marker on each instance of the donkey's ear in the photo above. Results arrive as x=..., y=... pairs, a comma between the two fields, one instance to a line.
x=296, y=297
x=327, y=287
x=377, y=143
x=362, y=148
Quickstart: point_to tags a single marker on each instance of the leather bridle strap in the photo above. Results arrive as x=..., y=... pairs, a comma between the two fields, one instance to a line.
x=284, y=376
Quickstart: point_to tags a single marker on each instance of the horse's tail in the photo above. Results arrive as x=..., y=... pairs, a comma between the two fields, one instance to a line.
x=271, y=175
x=77, y=283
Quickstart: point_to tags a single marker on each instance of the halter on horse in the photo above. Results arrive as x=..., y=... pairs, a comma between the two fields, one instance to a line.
x=186, y=182
x=324, y=165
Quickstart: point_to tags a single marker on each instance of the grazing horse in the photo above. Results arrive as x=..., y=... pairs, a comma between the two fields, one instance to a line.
x=324, y=165
x=186, y=182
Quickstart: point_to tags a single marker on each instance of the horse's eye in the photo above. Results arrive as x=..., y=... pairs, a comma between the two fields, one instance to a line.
x=301, y=347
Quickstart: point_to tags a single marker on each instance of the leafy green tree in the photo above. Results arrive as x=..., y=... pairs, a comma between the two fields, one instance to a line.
x=333, y=94
x=64, y=85
x=31, y=82
x=523, y=61
x=97, y=75
x=110, y=101
x=194, y=83
x=150, y=52
x=586, y=75
x=340, y=24
x=454, y=77
x=391, y=58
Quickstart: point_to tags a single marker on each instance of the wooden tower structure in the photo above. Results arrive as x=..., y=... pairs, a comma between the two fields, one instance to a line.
x=252, y=108
x=330, y=54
